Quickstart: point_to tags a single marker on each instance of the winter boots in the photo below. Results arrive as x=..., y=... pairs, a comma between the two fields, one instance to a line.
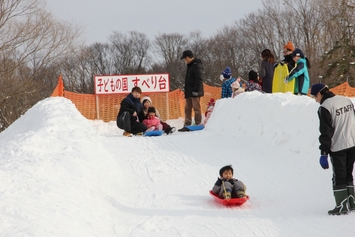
x=342, y=203
x=127, y=134
x=170, y=130
x=227, y=194
x=351, y=197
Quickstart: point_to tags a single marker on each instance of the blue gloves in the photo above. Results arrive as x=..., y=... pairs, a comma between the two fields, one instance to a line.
x=323, y=161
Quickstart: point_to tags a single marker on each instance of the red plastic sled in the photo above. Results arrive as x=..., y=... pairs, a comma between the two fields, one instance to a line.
x=230, y=202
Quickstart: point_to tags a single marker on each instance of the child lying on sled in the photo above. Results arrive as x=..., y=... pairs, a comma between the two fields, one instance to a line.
x=228, y=187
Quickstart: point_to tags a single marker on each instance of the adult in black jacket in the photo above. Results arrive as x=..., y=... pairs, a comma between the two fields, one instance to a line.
x=193, y=88
x=337, y=139
x=127, y=118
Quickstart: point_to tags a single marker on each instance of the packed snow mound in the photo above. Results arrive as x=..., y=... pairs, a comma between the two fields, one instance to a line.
x=274, y=118
x=63, y=175
x=53, y=164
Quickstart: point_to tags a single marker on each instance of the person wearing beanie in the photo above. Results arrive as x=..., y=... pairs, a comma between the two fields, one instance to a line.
x=253, y=84
x=193, y=89
x=266, y=71
x=127, y=118
x=228, y=187
x=227, y=79
x=337, y=140
x=299, y=73
x=147, y=103
x=287, y=52
x=237, y=89
x=152, y=121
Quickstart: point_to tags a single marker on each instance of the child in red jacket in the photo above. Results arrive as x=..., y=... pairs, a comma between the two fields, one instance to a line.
x=209, y=110
x=152, y=121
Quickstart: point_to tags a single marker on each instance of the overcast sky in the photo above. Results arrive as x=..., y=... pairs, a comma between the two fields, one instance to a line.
x=101, y=17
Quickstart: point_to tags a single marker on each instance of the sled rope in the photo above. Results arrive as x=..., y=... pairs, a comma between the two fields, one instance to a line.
x=224, y=189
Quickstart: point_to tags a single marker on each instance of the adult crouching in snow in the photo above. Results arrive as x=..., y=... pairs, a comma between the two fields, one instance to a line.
x=127, y=118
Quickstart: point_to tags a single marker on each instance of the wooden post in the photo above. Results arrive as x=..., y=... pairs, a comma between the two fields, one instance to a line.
x=97, y=108
x=167, y=105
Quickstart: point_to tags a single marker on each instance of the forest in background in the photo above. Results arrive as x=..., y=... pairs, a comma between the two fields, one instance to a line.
x=35, y=48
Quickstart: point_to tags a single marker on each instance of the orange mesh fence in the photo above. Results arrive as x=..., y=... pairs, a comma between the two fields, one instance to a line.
x=170, y=104
x=105, y=107
x=59, y=90
x=344, y=89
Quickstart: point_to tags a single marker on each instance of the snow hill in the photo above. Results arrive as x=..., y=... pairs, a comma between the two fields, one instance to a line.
x=63, y=175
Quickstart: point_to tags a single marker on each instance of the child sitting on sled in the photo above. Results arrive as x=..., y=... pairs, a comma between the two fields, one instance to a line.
x=152, y=121
x=228, y=187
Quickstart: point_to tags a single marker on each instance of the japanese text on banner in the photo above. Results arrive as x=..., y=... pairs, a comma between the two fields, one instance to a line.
x=116, y=84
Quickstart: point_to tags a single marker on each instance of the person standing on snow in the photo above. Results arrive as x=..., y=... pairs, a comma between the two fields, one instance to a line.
x=266, y=72
x=227, y=79
x=287, y=52
x=193, y=89
x=337, y=139
x=299, y=73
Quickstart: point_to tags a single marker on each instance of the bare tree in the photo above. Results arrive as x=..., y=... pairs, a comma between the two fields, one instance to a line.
x=338, y=62
x=31, y=41
x=130, y=52
x=169, y=48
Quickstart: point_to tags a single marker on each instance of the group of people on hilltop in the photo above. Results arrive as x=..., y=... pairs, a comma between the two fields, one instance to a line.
x=297, y=65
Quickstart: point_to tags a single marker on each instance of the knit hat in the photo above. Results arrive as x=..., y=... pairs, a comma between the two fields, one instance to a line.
x=235, y=85
x=151, y=110
x=145, y=98
x=316, y=88
x=253, y=75
x=289, y=46
x=297, y=52
x=211, y=103
x=227, y=167
x=227, y=72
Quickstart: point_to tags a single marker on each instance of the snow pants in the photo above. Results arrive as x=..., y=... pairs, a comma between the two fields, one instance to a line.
x=238, y=185
x=343, y=164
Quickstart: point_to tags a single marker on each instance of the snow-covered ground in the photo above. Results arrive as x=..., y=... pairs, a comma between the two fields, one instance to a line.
x=63, y=175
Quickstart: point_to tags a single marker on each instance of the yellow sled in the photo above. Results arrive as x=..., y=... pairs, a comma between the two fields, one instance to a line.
x=278, y=84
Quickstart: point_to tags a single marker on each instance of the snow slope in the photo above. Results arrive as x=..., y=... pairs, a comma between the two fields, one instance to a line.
x=63, y=175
